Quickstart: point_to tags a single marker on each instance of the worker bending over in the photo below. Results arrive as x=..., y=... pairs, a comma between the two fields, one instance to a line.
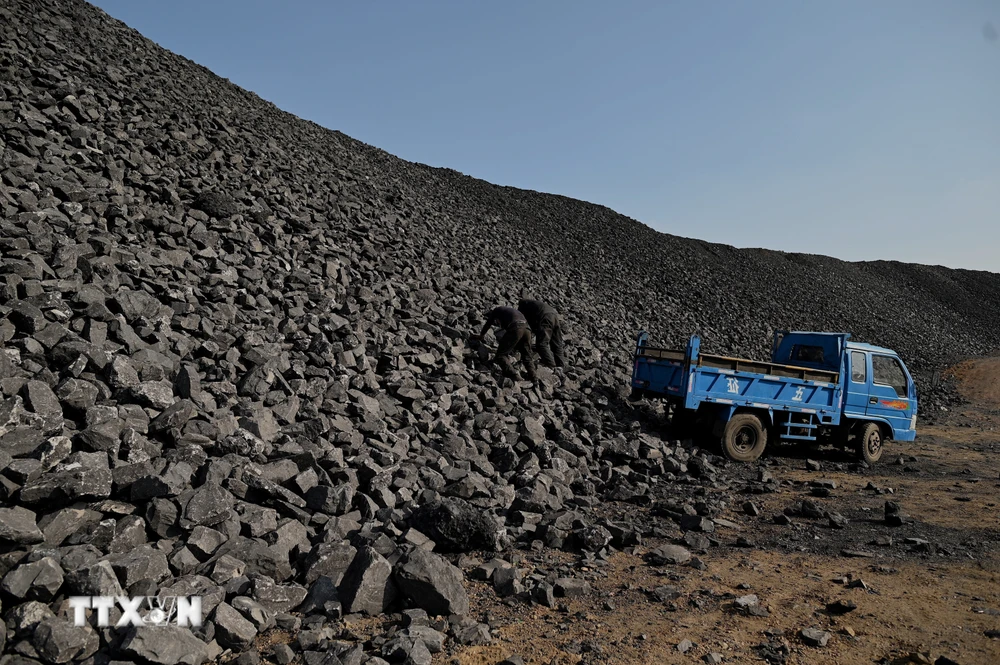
x=544, y=323
x=516, y=339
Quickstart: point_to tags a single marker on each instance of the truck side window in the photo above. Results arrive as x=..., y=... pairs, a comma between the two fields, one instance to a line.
x=887, y=371
x=859, y=369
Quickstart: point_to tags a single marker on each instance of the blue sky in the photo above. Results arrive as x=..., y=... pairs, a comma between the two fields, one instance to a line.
x=858, y=129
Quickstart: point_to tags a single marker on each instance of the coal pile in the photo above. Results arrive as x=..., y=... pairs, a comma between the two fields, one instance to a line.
x=236, y=362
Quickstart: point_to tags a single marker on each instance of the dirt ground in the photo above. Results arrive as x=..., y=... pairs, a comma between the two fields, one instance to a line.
x=930, y=586
x=906, y=607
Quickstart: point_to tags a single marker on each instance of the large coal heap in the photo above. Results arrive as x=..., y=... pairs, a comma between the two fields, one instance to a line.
x=235, y=357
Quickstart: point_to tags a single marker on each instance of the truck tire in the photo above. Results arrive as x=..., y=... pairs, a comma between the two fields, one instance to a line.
x=744, y=438
x=870, y=443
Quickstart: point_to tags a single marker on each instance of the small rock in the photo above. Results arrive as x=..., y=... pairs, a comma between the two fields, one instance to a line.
x=569, y=587
x=841, y=607
x=814, y=637
x=669, y=554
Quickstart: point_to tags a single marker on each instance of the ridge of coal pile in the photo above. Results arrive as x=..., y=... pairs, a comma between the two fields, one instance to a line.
x=235, y=363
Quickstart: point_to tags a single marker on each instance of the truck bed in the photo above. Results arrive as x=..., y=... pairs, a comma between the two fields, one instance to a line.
x=698, y=378
x=742, y=365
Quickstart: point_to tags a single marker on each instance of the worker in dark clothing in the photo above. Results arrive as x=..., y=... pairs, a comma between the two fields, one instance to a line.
x=544, y=323
x=516, y=339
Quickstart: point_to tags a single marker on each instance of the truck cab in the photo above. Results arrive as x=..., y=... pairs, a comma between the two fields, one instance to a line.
x=876, y=387
x=879, y=388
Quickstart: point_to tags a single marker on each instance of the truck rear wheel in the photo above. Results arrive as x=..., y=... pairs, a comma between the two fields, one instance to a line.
x=870, y=443
x=744, y=438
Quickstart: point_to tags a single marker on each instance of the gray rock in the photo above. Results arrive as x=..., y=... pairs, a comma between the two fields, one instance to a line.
x=205, y=506
x=21, y=430
x=155, y=394
x=841, y=607
x=39, y=580
x=216, y=204
x=227, y=568
x=545, y=594
x=121, y=374
x=512, y=660
x=204, y=541
x=142, y=563
x=68, y=482
x=432, y=583
x=232, y=630
x=330, y=500
x=814, y=637
x=594, y=538
x=458, y=526
x=174, y=416
x=78, y=394
x=329, y=560
x=507, y=581
x=18, y=526
x=367, y=586
x=697, y=523
x=261, y=559
x=53, y=451
x=277, y=597
x=40, y=398
x=283, y=654
x=165, y=645
x=194, y=585
x=669, y=554
x=667, y=593
x=58, y=526
x=94, y=579
x=323, y=598
x=476, y=634
x=59, y=641
x=242, y=442
x=569, y=587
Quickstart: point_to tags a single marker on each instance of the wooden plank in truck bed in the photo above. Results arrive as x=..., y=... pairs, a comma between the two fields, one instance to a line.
x=662, y=354
x=757, y=367
x=743, y=365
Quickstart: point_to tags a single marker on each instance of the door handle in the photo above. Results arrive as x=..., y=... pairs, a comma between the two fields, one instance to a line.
x=873, y=400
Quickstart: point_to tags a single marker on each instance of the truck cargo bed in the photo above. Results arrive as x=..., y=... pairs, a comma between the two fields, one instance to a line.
x=742, y=365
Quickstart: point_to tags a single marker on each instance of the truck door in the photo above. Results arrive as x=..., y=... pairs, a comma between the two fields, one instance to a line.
x=890, y=392
x=856, y=401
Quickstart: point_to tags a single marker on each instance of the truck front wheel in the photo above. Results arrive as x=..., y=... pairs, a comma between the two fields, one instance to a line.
x=744, y=438
x=870, y=443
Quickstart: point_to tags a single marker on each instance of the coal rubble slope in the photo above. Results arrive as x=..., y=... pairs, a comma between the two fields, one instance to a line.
x=235, y=359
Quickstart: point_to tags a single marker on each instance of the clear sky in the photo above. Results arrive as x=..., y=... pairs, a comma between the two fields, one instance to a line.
x=857, y=129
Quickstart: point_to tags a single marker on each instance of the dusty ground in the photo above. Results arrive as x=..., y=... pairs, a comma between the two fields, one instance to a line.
x=931, y=586
x=909, y=606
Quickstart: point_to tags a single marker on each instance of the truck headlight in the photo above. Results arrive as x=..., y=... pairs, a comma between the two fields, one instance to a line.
x=913, y=421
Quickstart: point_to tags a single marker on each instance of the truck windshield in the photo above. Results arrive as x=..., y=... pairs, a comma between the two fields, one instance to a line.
x=887, y=371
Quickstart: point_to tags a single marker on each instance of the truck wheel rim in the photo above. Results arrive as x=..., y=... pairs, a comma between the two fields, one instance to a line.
x=874, y=443
x=745, y=439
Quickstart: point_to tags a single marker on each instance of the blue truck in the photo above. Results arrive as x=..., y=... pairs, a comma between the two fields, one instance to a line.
x=819, y=386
